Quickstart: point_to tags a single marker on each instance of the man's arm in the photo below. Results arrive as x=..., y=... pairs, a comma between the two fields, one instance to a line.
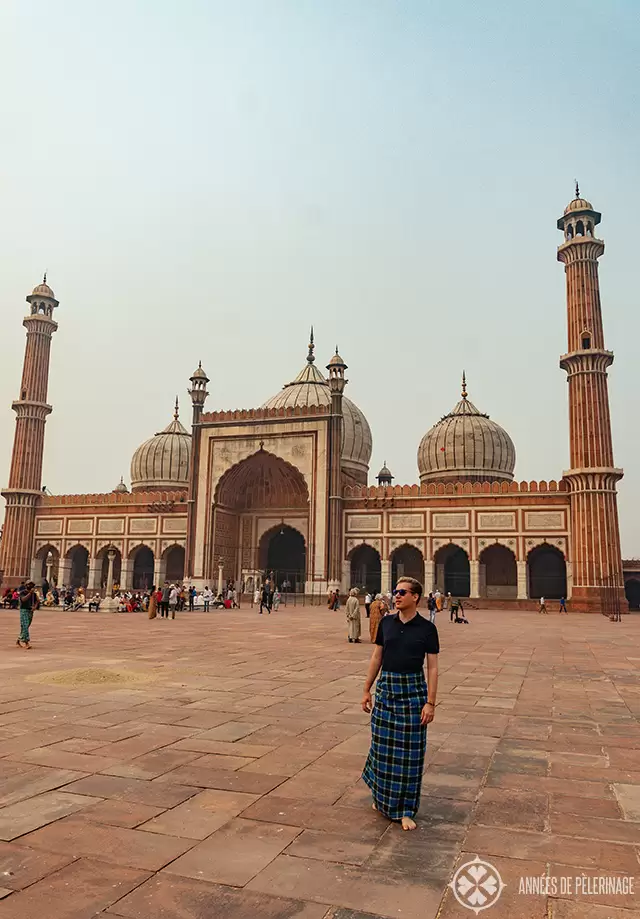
x=374, y=668
x=429, y=709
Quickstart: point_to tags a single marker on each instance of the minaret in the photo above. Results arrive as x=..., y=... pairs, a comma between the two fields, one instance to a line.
x=336, y=368
x=595, y=537
x=31, y=408
x=198, y=393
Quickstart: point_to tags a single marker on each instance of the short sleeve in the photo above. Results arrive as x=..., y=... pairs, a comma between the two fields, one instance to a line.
x=380, y=634
x=433, y=642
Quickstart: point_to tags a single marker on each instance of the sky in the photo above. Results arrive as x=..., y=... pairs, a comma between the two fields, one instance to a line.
x=204, y=180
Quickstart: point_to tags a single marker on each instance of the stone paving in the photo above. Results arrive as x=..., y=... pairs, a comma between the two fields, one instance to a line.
x=220, y=777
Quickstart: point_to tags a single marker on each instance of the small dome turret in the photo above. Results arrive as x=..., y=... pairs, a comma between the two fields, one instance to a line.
x=121, y=488
x=384, y=476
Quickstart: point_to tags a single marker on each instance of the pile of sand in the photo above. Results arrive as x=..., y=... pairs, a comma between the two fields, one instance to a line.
x=90, y=675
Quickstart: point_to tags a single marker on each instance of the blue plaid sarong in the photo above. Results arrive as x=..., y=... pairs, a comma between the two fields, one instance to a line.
x=393, y=770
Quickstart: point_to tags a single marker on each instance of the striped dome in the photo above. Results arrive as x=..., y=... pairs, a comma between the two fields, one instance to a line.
x=162, y=462
x=466, y=445
x=311, y=388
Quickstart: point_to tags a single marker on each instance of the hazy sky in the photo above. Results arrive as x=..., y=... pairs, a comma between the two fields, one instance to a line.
x=203, y=180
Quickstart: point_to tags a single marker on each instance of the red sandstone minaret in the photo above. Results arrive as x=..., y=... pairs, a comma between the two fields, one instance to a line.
x=595, y=537
x=31, y=408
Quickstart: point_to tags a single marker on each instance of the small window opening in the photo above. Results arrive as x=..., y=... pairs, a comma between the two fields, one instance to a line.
x=586, y=341
x=570, y=231
x=24, y=394
x=580, y=228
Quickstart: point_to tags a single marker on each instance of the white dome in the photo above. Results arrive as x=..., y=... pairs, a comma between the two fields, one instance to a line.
x=311, y=388
x=162, y=462
x=466, y=445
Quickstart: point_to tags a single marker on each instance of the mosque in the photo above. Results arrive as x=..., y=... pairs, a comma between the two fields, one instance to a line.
x=284, y=487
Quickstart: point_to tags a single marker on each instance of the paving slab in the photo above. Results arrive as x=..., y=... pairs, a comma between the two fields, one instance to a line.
x=25, y=816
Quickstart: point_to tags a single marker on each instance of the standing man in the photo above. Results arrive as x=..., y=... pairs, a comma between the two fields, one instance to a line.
x=404, y=706
x=173, y=600
x=353, y=616
x=543, y=607
x=207, y=597
x=265, y=598
x=28, y=602
x=563, y=605
x=367, y=603
x=164, y=606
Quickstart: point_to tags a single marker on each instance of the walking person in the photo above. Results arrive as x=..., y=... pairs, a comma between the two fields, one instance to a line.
x=28, y=602
x=431, y=606
x=174, y=596
x=563, y=606
x=367, y=604
x=353, y=616
x=265, y=598
x=166, y=593
x=543, y=607
x=404, y=705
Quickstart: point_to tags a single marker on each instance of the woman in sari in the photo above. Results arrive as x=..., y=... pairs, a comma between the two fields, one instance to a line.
x=378, y=610
x=153, y=603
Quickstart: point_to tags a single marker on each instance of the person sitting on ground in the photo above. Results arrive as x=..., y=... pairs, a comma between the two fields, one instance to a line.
x=94, y=602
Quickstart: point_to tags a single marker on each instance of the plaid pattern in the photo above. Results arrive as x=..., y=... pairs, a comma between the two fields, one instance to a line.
x=393, y=770
x=26, y=618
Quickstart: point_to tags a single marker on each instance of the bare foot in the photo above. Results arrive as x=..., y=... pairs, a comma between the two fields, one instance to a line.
x=408, y=823
x=374, y=807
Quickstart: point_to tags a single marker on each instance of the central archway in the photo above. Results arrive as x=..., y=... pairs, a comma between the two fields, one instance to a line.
x=261, y=485
x=453, y=573
x=283, y=552
x=632, y=592
x=366, y=570
x=78, y=576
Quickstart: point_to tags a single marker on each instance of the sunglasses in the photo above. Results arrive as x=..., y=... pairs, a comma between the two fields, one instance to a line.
x=401, y=592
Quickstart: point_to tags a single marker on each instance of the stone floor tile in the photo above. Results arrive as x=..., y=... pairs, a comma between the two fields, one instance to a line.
x=151, y=765
x=77, y=891
x=20, y=867
x=201, y=815
x=25, y=816
x=516, y=809
x=34, y=781
x=362, y=824
x=330, y=847
x=154, y=794
x=587, y=807
x=233, y=730
x=347, y=886
x=224, y=779
x=61, y=759
x=236, y=853
x=133, y=848
x=119, y=813
x=595, y=828
x=224, y=748
x=168, y=896
x=628, y=797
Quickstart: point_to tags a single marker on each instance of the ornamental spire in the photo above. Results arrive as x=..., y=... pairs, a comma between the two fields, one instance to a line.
x=310, y=356
x=464, y=385
x=176, y=411
x=577, y=189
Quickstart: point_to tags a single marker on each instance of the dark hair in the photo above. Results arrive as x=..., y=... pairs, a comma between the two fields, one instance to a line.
x=416, y=586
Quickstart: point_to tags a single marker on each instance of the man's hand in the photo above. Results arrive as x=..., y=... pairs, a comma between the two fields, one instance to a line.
x=427, y=715
x=367, y=704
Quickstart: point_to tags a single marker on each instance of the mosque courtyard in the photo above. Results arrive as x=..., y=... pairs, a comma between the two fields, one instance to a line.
x=209, y=767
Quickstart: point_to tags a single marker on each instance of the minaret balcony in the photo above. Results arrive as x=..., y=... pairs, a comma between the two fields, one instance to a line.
x=587, y=360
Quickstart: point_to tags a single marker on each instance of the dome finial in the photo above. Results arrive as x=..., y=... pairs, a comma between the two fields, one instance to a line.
x=310, y=356
x=577, y=189
x=176, y=411
x=44, y=278
x=464, y=385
